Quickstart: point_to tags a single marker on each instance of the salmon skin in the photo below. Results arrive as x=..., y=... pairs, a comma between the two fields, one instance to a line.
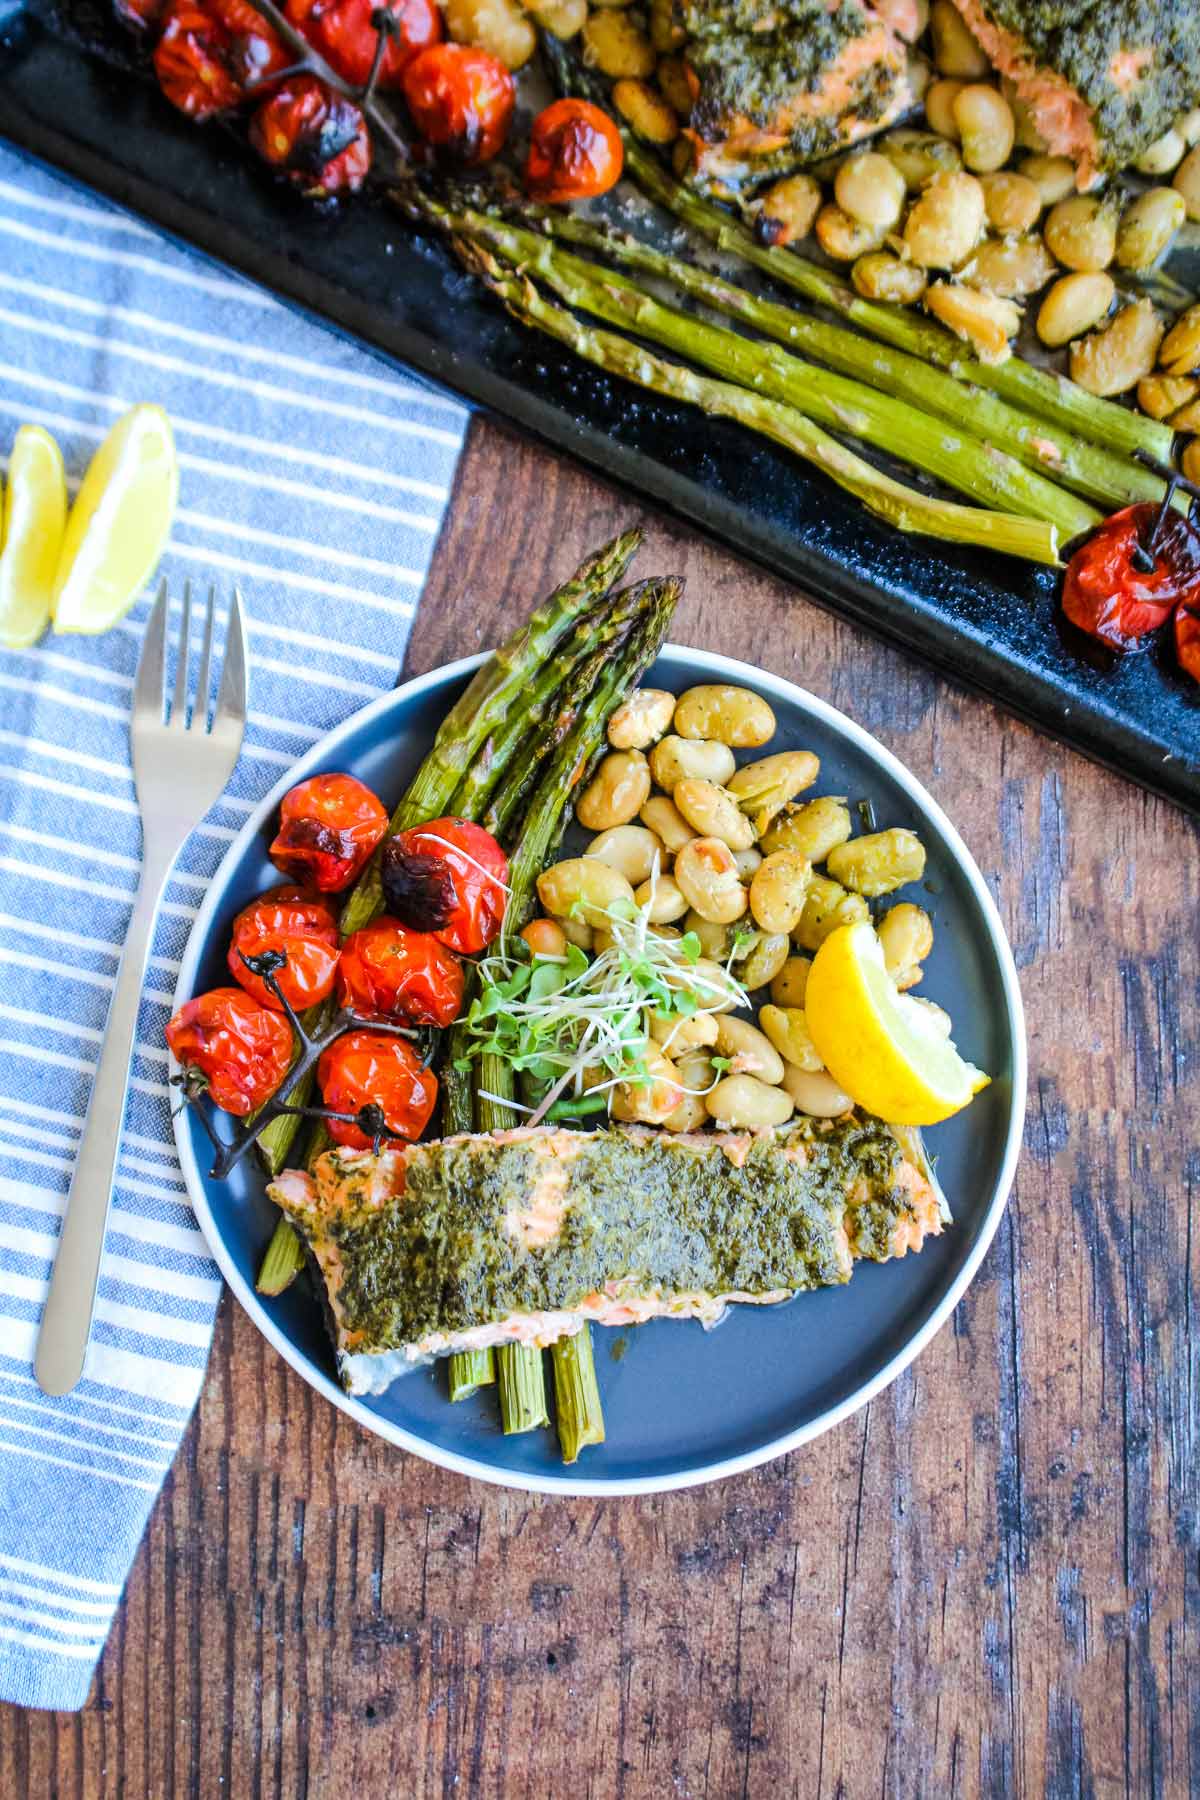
x=1101, y=81
x=525, y=1236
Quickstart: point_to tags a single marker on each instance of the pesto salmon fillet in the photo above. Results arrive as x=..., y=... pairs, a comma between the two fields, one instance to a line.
x=1101, y=81
x=526, y=1236
x=784, y=82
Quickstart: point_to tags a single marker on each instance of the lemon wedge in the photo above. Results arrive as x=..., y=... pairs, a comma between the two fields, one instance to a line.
x=32, y=522
x=119, y=522
x=880, y=1047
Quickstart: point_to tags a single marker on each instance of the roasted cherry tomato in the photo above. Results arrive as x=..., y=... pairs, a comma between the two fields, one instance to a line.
x=328, y=827
x=1108, y=597
x=299, y=926
x=387, y=971
x=366, y=1068
x=140, y=15
x=344, y=32
x=192, y=62
x=575, y=152
x=255, y=53
x=238, y=1050
x=449, y=877
x=316, y=138
x=461, y=101
x=1187, y=636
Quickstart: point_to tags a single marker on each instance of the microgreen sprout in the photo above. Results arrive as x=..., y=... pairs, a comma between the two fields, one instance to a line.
x=576, y=1024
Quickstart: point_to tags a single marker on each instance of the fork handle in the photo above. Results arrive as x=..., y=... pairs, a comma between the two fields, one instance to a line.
x=67, y=1316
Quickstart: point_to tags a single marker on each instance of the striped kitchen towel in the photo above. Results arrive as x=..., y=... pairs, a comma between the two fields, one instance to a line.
x=317, y=480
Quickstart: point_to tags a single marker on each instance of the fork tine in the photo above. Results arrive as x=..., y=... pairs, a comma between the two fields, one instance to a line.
x=200, y=710
x=179, y=703
x=150, y=686
x=231, y=695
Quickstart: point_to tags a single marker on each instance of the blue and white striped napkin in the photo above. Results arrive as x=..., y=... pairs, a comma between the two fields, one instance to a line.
x=317, y=481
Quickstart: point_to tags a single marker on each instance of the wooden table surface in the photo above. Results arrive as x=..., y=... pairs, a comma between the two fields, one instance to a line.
x=984, y=1583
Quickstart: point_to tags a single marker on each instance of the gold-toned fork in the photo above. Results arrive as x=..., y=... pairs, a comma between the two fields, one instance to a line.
x=183, y=756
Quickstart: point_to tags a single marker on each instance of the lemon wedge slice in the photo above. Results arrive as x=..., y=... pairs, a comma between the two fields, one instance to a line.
x=33, y=519
x=884, y=1051
x=119, y=523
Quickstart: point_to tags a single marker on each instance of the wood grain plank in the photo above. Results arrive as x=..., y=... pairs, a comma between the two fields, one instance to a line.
x=984, y=1584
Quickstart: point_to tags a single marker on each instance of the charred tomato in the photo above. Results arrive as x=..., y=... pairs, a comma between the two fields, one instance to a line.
x=315, y=137
x=192, y=60
x=366, y=1068
x=346, y=33
x=1109, y=597
x=1187, y=636
x=387, y=971
x=328, y=827
x=301, y=927
x=232, y=1047
x=464, y=904
x=575, y=152
x=461, y=101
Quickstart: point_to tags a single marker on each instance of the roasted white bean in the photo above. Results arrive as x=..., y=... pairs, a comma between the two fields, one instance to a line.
x=1053, y=176
x=1148, y=227
x=748, y=861
x=787, y=1028
x=985, y=127
x=617, y=791
x=742, y=1103
x=497, y=26
x=906, y=938
x=778, y=891
x=878, y=863
x=630, y=848
x=790, y=985
x=766, y=959
x=673, y=1033
x=946, y=221
x=939, y=109
x=672, y=77
x=1012, y=201
x=715, y=939
x=1011, y=267
x=817, y=1094
x=982, y=320
x=646, y=113
x=728, y=714
x=584, y=889
x=764, y=787
x=708, y=877
x=1075, y=304
x=1115, y=359
x=664, y=898
x=564, y=18
x=1189, y=462
x=1171, y=397
x=788, y=210
x=919, y=156
x=843, y=238
x=811, y=830
x=1180, y=349
x=666, y=33
x=642, y=719
x=1163, y=155
x=879, y=275
x=678, y=759
x=696, y=1076
x=956, y=51
x=827, y=906
x=750, y=1051
x=651, y=1101
x=714, y=813
x=870, y=189
x=615, y=45
x=1082, y=232
x=663, y=818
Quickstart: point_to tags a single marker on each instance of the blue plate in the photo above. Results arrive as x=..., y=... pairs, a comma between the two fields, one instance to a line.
x=681, y=1405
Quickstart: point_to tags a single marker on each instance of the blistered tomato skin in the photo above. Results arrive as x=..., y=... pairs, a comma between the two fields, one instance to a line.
x=389, y=972
x=461, y=101
x=301, y=927
x=468, y=915
x=191, y=60
x=342, y=30
x=328, y=827
x=366, y=1068
x=237, y=1050
x=1107, y=596
x=1187, y=637
x=575, y=153
x=315, y=137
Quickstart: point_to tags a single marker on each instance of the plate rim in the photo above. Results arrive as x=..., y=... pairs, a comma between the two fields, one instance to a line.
x=570, y=1484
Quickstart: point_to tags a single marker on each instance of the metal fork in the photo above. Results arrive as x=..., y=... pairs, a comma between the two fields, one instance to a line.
x=181, y=763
